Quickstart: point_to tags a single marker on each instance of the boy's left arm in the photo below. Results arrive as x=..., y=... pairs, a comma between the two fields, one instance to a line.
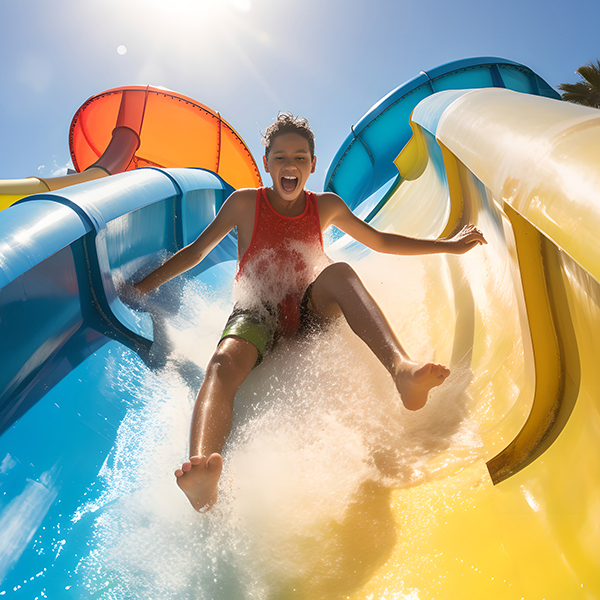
x=334, y=211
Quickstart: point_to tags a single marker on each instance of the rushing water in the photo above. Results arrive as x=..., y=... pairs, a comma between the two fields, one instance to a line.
x=320, y=438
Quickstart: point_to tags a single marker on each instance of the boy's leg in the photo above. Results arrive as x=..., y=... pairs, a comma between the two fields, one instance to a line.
x=211, y=420
x=339, y=290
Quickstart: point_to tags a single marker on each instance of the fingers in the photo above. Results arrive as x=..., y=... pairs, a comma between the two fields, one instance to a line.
x=467, y=238
x=476, y=235
x=470, y=228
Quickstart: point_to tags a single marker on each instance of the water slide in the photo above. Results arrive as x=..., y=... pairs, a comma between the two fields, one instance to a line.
x=136, y=126
x=331, y=489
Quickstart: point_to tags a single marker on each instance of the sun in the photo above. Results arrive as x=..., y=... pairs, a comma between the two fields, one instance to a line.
x=191, y=9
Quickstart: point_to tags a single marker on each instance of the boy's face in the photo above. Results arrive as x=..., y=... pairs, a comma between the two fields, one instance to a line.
x=289, y=165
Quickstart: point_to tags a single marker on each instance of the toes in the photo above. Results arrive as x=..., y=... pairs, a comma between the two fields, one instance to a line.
x=188, y=464
x=214, y=462
x=441, y=371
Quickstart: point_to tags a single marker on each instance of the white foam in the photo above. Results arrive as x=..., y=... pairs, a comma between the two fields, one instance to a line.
x=314, y=424
x=259, y=283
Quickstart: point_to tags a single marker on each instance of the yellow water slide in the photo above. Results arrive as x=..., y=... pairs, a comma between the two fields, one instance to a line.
x=514, y=512
x=12, y=190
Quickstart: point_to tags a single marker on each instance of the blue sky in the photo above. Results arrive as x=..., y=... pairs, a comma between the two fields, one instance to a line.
x=328, y=60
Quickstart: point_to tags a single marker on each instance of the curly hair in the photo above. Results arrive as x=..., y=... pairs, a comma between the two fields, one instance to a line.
x=287, y=123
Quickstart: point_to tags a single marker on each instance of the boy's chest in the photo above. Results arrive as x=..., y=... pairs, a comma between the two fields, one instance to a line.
x=271, y=230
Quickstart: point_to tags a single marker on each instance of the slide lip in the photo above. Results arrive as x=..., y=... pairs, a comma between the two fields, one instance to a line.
x=30, y=234
x=377, y=167
x=42, y=225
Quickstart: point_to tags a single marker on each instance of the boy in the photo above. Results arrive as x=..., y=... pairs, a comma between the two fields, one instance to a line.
x=280, y=252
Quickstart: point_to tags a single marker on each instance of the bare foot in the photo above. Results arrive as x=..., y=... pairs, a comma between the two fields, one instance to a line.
x=199, y=480
x=414, y=382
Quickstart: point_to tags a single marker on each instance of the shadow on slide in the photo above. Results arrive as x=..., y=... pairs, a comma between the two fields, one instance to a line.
x=331, y=489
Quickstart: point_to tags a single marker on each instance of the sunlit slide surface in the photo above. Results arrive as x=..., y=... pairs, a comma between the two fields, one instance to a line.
x=331, y=488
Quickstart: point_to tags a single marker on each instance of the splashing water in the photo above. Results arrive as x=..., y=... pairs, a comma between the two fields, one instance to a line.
x=320, y=438
x=259, y=284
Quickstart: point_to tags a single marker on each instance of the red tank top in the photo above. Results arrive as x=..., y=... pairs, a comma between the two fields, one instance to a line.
x=284, y=257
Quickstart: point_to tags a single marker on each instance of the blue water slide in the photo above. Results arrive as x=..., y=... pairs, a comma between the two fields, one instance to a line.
x=63, y=256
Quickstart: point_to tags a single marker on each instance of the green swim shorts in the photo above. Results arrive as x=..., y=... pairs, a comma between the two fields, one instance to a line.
x=260, y=328
x=253, y=326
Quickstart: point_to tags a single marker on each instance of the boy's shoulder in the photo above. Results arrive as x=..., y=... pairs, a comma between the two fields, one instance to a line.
x=244, y=193
x=332, y=208
x=238, y=207
x=242, y=198
x=327, y=197
x=329, y=200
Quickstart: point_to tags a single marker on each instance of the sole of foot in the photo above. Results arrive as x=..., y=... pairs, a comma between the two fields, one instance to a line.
x=416, y=381
x=198, y=479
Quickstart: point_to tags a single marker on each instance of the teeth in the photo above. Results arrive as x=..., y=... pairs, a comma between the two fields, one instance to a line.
x=288, y=177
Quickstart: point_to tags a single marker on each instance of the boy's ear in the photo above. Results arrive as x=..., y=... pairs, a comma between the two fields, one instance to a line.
x=265, y=164
x=314, y=164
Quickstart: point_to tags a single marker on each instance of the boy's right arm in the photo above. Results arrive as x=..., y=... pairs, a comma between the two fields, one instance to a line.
x=191, y=255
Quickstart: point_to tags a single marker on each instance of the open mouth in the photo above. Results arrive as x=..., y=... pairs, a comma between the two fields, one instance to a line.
x=289, y=184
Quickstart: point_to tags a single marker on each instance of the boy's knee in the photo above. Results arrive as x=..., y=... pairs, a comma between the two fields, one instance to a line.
x=334, y=280
x=339, y=272
x=221, y=361
x=340, y=269
x=231, y=357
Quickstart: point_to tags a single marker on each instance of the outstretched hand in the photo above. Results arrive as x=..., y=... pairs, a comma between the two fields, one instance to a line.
x=466, y=239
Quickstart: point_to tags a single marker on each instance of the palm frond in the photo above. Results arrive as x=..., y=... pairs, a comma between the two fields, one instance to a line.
x=586, y=92
x=591, y=73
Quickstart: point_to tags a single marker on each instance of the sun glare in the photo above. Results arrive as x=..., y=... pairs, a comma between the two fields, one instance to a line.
x=209, y=19
x=191, y=9
x=163, y=42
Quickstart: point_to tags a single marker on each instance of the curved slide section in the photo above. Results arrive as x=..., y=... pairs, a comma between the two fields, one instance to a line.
x=491, y=491
x=63, y=257
x=518, y=521
x=61, y=254
x=131, y=127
